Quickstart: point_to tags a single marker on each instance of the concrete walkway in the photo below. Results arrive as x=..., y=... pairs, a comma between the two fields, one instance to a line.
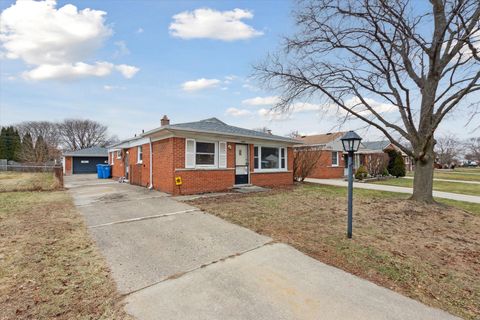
x=449, y=180
x=381, y=187
x=172, y=261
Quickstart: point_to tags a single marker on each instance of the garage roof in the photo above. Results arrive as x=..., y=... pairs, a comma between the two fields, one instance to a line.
x=88, y=152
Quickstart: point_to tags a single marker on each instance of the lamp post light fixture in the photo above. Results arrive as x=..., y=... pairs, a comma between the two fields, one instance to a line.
x=351, y=143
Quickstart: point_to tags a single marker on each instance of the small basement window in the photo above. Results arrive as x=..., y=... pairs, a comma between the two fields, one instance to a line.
x=139, y=154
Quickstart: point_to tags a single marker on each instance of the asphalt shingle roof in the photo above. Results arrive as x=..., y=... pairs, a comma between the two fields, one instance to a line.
x=213, y=125
x=318, y=139
x=376, y=145
x=91, y=152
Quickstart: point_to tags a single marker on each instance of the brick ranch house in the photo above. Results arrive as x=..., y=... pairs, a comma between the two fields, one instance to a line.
x=332, y=162
x=203, y=156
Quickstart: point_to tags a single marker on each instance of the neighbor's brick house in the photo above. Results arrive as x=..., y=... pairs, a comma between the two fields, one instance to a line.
x=332, y=161
x=207, y=155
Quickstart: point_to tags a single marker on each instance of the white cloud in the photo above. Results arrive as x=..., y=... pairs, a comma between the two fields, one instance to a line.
x=140, y=30
x=213, y=24
x=122, y=49
x=126, y=70
x=261, y=101
x=55, y=42
x=108, y=87
x=274, y=114
x=238, y=112
x=200, y=84
x=68, y=71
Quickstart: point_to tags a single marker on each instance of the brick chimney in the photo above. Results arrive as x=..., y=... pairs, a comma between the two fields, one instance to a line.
x=164, y=121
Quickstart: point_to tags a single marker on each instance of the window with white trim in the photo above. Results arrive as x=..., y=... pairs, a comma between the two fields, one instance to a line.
x=139, y=154
x=119, y=155
x=269, y=158
x=205, y=154
x=334, y=159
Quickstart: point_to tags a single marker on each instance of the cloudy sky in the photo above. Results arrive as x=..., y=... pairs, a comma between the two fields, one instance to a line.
x=127, y=63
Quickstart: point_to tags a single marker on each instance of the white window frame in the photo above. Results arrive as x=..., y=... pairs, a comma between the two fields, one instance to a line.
x=259, y=159
x=119, y=154
x=215, y=155
x=338, y=160
x=139, y=152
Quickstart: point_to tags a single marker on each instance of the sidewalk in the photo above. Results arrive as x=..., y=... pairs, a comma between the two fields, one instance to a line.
x=437, y=194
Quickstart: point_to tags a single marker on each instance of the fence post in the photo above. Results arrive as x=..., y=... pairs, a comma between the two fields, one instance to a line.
x=59, y=175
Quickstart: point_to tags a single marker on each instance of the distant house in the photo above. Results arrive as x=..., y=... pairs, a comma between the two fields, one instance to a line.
x=203, y=156
x=84, y=160
x=332, y=162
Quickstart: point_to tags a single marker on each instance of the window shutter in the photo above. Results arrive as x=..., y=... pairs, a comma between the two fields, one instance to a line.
x=222, y=154
x=189, y=153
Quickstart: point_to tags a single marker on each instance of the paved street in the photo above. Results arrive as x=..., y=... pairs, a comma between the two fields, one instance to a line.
x=172, y=261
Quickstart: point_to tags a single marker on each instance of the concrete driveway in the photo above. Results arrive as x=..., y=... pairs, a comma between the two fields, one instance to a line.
x=172, y=261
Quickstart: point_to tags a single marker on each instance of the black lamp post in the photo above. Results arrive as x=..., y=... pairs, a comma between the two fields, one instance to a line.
x=351, y=143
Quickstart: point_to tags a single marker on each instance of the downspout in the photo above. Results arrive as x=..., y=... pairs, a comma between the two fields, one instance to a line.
x=151, y=164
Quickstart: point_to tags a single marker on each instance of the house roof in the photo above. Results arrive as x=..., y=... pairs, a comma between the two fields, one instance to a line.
x=88, y=152
x=319, y=139
x=215, y=126
x=376, y=145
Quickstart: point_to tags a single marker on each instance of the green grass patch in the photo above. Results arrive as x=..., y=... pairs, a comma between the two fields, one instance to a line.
x=453, y=187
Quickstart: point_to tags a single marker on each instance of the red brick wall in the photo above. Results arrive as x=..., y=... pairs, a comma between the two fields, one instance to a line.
x=68, y=166
x=201, y=180
x=118, y=168
x=324, y=168
x=163, y=177
x=140, y=172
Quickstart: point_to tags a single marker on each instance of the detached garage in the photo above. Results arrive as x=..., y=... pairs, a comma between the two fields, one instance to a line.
x=84, y=161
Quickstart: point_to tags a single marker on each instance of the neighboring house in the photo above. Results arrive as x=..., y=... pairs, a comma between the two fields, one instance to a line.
x=203, y=156
x=384, y=146
x=332, y=162
x=84, y=160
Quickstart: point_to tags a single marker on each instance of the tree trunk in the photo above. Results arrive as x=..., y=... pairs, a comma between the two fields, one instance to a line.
x=423, y=177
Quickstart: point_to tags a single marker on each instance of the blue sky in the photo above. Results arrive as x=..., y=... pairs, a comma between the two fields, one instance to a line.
x=162, y=68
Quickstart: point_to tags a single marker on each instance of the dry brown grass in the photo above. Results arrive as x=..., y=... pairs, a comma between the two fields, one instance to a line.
x=49, y=267
x=429, y=253
x=27, y=181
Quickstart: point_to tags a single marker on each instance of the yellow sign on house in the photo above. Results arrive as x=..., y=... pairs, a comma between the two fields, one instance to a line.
x=178, y=181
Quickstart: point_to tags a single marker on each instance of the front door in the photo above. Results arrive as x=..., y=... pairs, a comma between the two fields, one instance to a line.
x=241, y=164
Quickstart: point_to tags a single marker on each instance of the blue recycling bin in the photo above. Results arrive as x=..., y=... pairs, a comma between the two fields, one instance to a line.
x=107, y=171
x=99, y=171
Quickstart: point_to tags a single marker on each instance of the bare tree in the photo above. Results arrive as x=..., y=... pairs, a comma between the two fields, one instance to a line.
x=377, y=163
x=447, y=149
x=294, y=134
x=369, y=57
x=304, y=161
x=473, y=149
x=79, y=134
x=45, y=129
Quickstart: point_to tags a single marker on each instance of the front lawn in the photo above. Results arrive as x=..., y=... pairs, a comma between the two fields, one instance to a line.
x=27, y=181
x=429, y=253
x=49, y=266
x=455, y=175
x=454, y=187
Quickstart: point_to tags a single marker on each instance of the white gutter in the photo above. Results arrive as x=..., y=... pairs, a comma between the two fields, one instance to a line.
x=151, y=164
